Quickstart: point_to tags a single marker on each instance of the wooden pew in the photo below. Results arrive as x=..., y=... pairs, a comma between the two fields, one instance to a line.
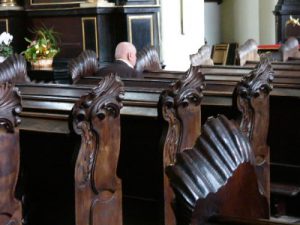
x=53, y=103
x=247, y=52
x=284, y=95
x=217, y=176
x=10, y=107
x=215, y=181
x=202, y=57
x=215, y=95
x=46, y=114
x=90, y=160
x=289, y=51
x=96, y=118
x=254, y=113
x=180, y=108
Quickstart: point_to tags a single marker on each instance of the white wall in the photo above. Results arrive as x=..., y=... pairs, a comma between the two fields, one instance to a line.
x=212, y=23
x=240, y=20
x=244, y=19
x=176, y=47
x=267, y=22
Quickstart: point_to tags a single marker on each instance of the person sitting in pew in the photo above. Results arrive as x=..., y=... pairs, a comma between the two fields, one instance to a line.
x=125, y=60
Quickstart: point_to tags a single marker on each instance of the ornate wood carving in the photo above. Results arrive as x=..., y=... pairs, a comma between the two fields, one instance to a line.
x=290, y=49
x=10, y=107
x=253, y=102
x=148, y=60
x=86, y=64
x=247, y=52
x=202, y=57
x=180, y=107
x=14, y=69
x=216, y=177
x=96, y=117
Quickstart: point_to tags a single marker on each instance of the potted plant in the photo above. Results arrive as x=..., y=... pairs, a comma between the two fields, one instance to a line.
x=42, y=49
x=5, y=48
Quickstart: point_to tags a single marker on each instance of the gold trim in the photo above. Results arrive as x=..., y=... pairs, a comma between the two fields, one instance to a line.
x=6, y=24
x=55, y=3
x=139, y=6
x=140, y=17
x=157, y=4
x=83, y=33
x=82, y=7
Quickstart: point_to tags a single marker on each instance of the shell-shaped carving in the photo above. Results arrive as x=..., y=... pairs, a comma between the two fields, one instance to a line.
x=10, y=105
x=148, y=59
x=14, y=69
x=218, y=152
x=86, y=64
x=96, y=104
x=258, y=80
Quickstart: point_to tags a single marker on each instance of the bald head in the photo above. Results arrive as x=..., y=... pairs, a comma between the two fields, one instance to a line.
x=126, y=51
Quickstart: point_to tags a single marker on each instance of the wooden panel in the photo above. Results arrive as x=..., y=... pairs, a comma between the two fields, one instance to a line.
x=139, y=2
x=4, y=25
x=283, y=10
x=141, y=30
x=53, y=2
x=69, y=30
x=89, y=34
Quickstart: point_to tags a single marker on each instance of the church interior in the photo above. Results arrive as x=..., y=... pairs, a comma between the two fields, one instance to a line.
x=201, y=130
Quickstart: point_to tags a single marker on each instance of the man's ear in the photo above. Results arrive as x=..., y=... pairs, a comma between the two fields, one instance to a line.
x=130, y=54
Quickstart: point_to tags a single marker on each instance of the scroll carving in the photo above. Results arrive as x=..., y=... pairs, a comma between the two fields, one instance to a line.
x=216, y=177
x=10, y=107
x=253, y=102
x=96, y=117
x=180, y=108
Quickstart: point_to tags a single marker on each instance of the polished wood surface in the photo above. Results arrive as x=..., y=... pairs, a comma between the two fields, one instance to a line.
x=253, y=102
x=180, y=108
x=14, y=69
x=96, y=118
x=47, y=109
x=247, y=52
x=216, y=176
x=85, y=64
x=10, y=107
x=148, y=60
x=202, y=57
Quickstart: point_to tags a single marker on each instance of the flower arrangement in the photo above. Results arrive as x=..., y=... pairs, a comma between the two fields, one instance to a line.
x=43, y=46
x=293, y=21
x=5, y=48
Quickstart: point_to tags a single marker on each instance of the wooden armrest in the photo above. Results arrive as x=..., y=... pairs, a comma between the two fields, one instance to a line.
x=285, y=189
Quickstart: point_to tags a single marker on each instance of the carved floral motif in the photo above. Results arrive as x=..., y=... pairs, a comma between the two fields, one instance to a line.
x=10, y=104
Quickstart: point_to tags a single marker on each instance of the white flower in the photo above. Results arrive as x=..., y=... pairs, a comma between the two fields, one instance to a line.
x=5, y=38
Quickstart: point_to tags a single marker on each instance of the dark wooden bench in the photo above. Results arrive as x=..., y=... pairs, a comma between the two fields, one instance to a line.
x=215, y=181
x=179, y=121
x=47, y=109
x=284, y=96
x=67, y=179
x=140, y=111
x=217, y=177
